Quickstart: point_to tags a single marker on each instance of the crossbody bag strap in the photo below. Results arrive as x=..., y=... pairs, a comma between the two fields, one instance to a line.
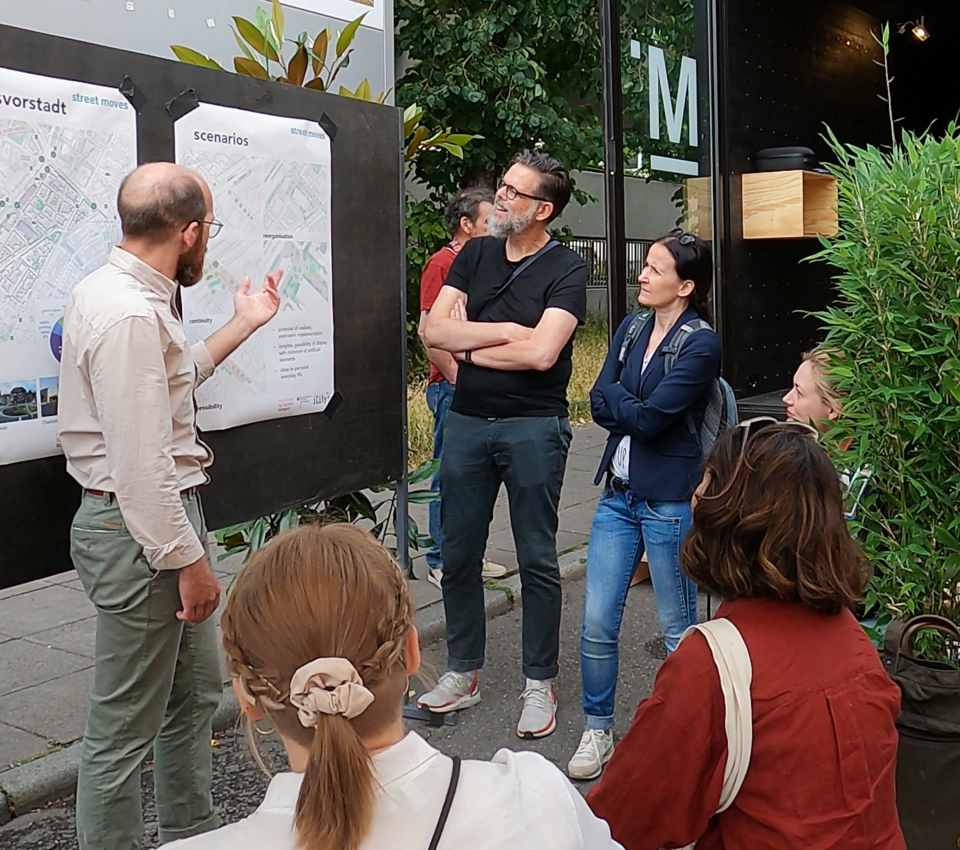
x=672, y=352
x=447, y=803
x=735, y=670
x=519, y=270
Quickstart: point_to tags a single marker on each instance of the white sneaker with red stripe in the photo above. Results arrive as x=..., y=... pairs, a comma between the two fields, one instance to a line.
x=539, y=716
x=454, y=691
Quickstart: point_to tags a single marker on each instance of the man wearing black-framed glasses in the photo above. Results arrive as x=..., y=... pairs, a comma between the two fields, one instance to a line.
x=508, y=312
x=128, y=429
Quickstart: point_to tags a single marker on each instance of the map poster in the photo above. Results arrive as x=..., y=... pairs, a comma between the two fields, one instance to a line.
x=271, y=183
x=64, y=148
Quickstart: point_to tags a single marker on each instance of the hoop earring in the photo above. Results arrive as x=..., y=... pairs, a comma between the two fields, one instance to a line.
x=260, y=731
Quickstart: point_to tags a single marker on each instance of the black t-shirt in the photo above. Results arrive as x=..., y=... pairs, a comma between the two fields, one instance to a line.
x=556, y=279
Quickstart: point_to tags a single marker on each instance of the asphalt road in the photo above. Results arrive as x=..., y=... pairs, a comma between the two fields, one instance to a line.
x=239, y=784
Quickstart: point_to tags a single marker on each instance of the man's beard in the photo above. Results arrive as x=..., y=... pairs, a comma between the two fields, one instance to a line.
x=513, y=225
x=190, y=266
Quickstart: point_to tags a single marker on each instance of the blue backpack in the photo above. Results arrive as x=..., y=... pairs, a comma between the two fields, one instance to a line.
x=721, y=413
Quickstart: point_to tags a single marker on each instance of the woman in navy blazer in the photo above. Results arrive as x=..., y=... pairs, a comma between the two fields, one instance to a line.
x=652, y=465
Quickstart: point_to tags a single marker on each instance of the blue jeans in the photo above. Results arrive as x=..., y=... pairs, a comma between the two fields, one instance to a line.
x=439, y=396
x=623, y=527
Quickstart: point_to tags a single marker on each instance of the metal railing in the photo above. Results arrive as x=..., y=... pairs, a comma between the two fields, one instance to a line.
x=594, y=253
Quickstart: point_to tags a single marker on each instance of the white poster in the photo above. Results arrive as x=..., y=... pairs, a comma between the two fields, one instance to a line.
x=270, y=179
x=64, y=148
x=345, y=10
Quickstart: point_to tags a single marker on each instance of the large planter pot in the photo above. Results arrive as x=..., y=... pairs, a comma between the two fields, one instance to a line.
x=928, y=759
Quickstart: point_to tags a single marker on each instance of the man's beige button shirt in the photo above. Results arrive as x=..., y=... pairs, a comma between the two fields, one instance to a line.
x=126, y=411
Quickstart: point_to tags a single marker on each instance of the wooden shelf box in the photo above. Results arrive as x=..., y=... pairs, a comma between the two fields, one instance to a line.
x=789, y=205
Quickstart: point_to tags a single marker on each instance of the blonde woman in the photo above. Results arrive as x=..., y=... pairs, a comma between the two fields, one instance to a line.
x=320, y=642
x=813, y=399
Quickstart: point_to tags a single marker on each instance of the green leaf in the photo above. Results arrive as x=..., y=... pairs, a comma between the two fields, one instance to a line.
x=422, y=497
x=258, y=536
x=252, y=36
x=363, y=91
x=192, y=57
x=348, y=34
x=426, y=470
x=345, y=92
x=278, y=19
x=241, y=44
x=456, y=150
x=461, y=138
x=952, y=386
x=289, y=519
x=250, y=68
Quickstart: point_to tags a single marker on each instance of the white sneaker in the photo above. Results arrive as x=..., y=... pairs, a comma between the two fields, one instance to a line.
x=435, y=576
x=596, y=747
x=539, y=716
x=454, y=691
x=492, y=570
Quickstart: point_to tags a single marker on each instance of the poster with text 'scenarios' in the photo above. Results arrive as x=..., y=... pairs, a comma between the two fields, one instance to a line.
x=64, y=148
x=271, y=184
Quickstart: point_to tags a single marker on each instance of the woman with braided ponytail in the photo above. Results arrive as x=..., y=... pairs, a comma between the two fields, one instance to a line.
x=320, y=642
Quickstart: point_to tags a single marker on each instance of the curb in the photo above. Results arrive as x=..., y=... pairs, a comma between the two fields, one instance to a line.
x=36, y=783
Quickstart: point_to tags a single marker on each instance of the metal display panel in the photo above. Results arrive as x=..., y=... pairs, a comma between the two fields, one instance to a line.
x=266, y=466
x=783, y=73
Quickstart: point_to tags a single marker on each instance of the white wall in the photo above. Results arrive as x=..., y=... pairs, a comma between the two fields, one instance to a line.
x=146, y=26
x=651, y=211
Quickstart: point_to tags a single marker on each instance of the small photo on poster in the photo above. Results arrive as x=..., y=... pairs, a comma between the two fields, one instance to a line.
x=49, y=395
x=18, y=401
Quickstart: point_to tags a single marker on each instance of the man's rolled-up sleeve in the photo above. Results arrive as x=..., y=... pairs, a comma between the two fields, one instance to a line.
x=203, y=361
x=129, y=382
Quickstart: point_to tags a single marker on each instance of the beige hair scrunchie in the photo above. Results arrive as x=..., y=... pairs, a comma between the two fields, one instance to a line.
x=328, y=686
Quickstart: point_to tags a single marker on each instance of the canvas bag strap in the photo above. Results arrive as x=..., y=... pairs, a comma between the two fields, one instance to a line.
x=735, y=669
x=519, y=270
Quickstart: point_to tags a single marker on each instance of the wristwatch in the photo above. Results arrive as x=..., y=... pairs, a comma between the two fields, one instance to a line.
x=468, y=357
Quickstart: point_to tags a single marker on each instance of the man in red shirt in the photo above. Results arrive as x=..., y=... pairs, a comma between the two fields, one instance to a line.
x=465, y=217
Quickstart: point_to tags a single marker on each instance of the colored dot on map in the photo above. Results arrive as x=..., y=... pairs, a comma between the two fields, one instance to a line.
x=43, y=159
x=93, y=206
x=16, y=206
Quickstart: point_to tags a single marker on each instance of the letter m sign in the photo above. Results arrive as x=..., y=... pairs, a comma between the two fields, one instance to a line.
x=660, y=94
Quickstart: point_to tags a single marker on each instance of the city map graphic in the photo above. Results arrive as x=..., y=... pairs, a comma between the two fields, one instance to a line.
x=58, y=189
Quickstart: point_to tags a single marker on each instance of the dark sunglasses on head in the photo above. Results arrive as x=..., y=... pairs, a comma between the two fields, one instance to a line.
x=683, y=237
x=751, y=427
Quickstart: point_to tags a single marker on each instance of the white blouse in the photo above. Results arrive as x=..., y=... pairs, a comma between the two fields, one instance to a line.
x=515, y=800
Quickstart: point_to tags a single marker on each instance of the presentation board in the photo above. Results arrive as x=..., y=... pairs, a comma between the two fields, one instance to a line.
x=348, y=240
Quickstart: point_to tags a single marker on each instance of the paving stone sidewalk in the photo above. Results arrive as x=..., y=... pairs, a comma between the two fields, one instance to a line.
x=47, y=628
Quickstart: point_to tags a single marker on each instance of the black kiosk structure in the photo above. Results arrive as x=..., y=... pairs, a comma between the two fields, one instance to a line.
x=694, y=91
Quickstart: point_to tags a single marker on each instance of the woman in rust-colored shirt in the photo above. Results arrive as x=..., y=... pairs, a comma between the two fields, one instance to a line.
x=768, y=536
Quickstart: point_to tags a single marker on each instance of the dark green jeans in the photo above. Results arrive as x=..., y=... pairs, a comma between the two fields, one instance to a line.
x=529, y=456
x=157, y=684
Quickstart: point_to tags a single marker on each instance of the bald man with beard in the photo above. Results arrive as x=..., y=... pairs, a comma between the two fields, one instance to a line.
x=128, y=430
